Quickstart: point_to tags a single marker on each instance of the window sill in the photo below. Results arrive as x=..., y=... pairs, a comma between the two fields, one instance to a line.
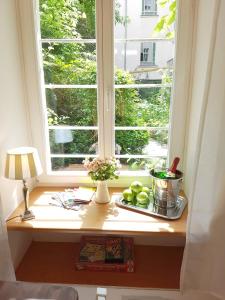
x=92, y=218
x=147, y=16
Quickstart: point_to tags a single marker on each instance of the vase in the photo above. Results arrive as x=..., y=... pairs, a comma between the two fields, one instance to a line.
x=102, y=193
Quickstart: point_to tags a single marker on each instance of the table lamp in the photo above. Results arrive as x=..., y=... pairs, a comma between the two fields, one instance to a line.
x=23, y=163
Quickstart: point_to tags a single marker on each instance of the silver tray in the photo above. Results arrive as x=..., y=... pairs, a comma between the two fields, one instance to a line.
x=154, y=210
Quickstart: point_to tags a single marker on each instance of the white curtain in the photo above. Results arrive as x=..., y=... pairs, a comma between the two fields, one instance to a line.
x=6, y=267
x=204, y=260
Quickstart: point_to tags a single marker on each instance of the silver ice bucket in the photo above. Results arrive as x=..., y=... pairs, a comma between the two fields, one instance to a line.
x=165, y=191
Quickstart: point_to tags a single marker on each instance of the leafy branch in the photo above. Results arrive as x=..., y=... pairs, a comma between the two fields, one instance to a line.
x=166, y=21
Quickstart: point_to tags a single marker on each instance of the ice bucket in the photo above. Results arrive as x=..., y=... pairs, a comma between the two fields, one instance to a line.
x=165, y=191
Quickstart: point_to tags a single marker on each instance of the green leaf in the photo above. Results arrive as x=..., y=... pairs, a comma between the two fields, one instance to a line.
x=173, y=6
x=163, y=3
x=171, y=18
x=170, y=35
x=160, y=24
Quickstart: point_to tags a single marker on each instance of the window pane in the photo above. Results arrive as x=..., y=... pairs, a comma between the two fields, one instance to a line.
x=142, y=142
x=69, y=63
x=142, y=62
x=68, y=141
x=75, y=107
x=67, y=18
x=67, y=164
x=143, y=107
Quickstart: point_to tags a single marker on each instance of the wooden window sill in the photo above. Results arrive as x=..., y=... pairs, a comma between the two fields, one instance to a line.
x=92, y=218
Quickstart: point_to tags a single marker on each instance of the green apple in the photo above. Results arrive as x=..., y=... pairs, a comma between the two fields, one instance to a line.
x=142, y=198
x=136, y=187
x=146, y=190
x=128, y=195
x=142, y=205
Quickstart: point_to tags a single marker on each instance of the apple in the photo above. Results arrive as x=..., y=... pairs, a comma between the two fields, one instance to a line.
x=142, y=205
x=142, y=198
x=146, y=190
x=128, y=195
x=136, y=187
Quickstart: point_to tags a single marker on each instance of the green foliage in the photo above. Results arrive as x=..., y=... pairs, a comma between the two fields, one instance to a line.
x=165, y=22
x=59, y=18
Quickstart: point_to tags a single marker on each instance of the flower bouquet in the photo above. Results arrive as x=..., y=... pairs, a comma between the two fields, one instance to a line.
x=101, y=170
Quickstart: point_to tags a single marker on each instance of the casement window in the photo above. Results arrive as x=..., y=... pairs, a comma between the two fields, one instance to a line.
x=147, y=56
x=95, y=104
x=149, y=7
x=97, y=97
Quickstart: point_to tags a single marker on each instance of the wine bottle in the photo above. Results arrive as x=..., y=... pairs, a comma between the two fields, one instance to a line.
x=171, y=172
x=174, y=165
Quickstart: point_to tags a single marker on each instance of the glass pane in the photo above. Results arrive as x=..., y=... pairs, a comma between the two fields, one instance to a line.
x=142, y=62
x=130, y=23
x=69, y=63
x=144, y=56
x=72, y=107
x=68, y=141
x=136, y=164
x=143, y=107
x=141, y=142
x=67, y=18
x=67, y=164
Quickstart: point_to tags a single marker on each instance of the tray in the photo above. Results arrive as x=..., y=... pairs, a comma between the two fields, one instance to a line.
x=154, y=210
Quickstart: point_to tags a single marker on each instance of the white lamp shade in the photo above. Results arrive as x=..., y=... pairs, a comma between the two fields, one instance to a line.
x=22, y=163
x=63, y=136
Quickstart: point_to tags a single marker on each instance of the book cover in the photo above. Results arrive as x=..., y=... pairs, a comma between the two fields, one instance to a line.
x=92, y=250
x=106, y=254
x=114, y=250
x=84, y=194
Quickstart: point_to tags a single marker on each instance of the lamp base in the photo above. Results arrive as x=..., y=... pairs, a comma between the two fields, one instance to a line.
x=28, y=215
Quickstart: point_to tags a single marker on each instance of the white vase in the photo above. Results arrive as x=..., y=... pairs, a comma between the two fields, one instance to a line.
x=102, y=193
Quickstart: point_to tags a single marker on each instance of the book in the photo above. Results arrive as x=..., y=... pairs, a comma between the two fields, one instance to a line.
x=114, y=250
x=99, y=253
x=92, y=250
x=73, y=198
x=83, y=194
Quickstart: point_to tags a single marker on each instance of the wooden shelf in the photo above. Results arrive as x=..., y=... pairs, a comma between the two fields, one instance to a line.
x=155, y=267
x=92, y=218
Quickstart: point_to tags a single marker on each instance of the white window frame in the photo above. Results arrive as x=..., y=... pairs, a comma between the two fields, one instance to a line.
x=33, y=73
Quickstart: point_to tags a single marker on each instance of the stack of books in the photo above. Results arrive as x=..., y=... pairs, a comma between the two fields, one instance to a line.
x=99, y=253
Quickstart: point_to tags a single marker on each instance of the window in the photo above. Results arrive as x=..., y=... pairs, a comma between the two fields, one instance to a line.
x=149, y=7
x=142, y=90
x=99, y=101
x=147, y=56
x=68, y=43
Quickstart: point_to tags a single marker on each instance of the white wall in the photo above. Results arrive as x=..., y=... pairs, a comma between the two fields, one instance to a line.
x=13, y=114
